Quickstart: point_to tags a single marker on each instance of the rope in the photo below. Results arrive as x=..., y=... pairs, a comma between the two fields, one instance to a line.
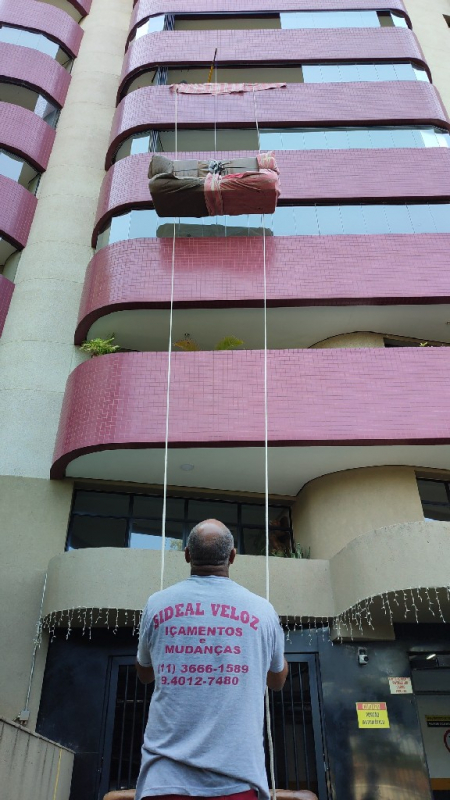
x=266, y=466
x=55, y=791
x=266, y=417
x=169, y=372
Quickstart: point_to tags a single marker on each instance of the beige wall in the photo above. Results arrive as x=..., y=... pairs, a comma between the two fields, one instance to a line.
x=33, y=516
x=335, y=509
x=357, y=339
x=31, y=767
x=381, y=560
x=37, y=351
x=427, y=17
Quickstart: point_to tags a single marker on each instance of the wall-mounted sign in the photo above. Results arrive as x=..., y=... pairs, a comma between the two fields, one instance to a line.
x=438, y=721
x=400, y=685
x=372, y=715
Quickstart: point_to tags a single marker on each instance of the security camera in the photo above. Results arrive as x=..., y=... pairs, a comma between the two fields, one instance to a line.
x=363, y=658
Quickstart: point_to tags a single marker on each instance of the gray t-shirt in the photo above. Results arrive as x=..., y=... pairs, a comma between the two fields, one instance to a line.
x=211, y=643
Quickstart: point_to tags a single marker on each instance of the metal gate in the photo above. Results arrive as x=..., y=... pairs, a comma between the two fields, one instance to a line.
x=295, y=718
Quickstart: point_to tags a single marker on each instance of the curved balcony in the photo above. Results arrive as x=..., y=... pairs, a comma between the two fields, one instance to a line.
x=348, y=407
x=16, y=212
x=218, y=289
x=24, y=133
x=390, y=103
x=77, y=9
x=45, y=19
x=36, y=70
x=372, y=567
x=6, y=292
x=149, y=8
x=193, y=48
x=306, y=176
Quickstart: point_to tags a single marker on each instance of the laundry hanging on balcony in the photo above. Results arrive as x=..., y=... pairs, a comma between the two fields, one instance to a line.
x=200, y=188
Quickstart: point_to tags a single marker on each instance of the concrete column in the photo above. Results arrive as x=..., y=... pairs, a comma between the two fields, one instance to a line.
x=433, y=34
x=37, y=351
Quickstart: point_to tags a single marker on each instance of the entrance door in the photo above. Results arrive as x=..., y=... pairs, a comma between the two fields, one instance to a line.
x=431, y=682
x=295, y=721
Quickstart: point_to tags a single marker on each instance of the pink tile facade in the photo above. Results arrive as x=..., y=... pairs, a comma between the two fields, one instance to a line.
x=147, y=8
x=395, y=103
x=265, y=46
x=308, y=176
x=83, y=6
x=6, y=292
x=43, y=18
x=301, y=270
x=16, y=211
x=346, y=397
x=332, y=397
x=26, y=134
x=22, y=64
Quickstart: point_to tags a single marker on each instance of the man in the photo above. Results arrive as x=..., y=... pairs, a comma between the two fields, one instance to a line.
x=211, y=646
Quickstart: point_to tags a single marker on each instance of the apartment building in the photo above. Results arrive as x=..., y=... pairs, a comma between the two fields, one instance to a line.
x=357, y=258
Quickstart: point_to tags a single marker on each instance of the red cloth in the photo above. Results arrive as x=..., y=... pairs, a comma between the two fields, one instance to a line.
x=244, y=192
x=249, y=795
x=223, y=88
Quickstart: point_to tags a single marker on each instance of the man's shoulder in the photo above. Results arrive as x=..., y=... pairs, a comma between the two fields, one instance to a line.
x=253, y=598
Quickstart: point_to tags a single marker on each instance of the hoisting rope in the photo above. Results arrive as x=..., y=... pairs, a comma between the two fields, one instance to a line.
x=169, y=371
x=266, y=466
x=266, y=416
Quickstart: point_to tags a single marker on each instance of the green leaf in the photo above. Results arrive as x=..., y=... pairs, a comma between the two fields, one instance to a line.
x=228, y=343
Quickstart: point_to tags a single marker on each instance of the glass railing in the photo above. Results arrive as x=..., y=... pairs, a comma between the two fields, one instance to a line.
x=223, y=139
x=319, y=220
x=35, y=41
x=289, y=20
x=337, y=72
x=19, y=170
x=19, y=95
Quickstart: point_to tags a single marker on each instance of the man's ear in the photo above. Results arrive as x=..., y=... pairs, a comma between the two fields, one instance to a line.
x=232, y=555
x=187, y=555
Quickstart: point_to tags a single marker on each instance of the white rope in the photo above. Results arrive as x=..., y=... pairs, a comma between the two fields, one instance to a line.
x=169, y=371
x=266, y=466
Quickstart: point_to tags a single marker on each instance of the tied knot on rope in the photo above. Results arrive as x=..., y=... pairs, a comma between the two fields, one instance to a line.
x=216, y=167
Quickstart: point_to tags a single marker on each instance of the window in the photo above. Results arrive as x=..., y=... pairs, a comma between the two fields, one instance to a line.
x=320, y=220
x=204, y=139
x=435, y=497
x=119, y=519
x=6, y=250
x=36, y=41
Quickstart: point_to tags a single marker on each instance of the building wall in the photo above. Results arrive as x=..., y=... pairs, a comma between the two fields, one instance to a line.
x=433, y=34
x=32, y=767
x=333, y=510
x=37, y=351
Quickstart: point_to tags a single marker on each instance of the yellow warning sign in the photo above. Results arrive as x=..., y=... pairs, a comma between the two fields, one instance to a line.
x=372, y=715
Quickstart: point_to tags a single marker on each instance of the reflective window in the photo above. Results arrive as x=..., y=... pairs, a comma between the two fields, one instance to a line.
x=435, y=497
x=318, y=220
x=341, y=73
x=119, y=519
x=283, y=139
x=19, y=170
x=36, y=41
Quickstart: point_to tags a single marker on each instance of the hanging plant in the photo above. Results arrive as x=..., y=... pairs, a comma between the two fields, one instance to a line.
x=99, y=347
x=190, y=345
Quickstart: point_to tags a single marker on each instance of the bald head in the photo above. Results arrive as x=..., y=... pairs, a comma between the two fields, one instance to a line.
x=210, y=543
